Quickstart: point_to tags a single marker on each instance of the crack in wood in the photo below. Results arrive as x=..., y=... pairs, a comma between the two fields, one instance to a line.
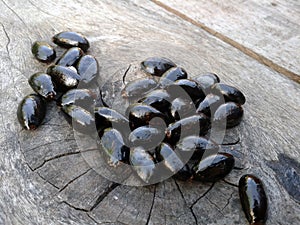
x=71, y=181
x=121, y=223
x=49, y=143
x=125, y=74
x=202, y=196
x=228, y=201
x=89, y=216
x=8, y=41
x=152, y=204
x=14, y=12
x=55, y=157
x=231, y=184
x=43, y=11
x=117, y=220
x=182, y=195
x=11, y=62
x=104, y=194
x=47, y=181
x=74, y=207
x=247, y=51
x=214, y=204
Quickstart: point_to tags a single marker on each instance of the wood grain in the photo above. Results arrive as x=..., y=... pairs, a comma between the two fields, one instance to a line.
x=266, y=30
x=45, y=180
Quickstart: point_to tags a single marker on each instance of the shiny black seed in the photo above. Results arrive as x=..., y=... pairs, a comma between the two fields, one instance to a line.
x=193, y=147
x=147, y=137
x=42, y=84
x=106, y=117
x=31, y=111
x=184, y=174
x=143, y=163
x=81, y=119
x=81, y=97
x=253, y=199
x=156, y=66
x=43, y=52
x=228, y=115
x=171, y=75
x=88, y=68
x=158, y=99
x=181, y=108
x=193, y=125
x=207, y=80
x=141, y=115
x=138, y=88
x=113, y=145
x=166, y=155
x=190, y=87
x=68, y=39
x=210, y=104
x=214, y=167
x=64, y=78
x=230, y=93
x=70, y=57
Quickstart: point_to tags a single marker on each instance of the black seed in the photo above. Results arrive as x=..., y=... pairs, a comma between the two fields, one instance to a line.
x=88, y=69
x=253, y=199
x=141, y=115
x=81, y=97
x=64, y=77
x=230, y=93
x=138, y=88
x=143, y=163
x=113, y=145
x=71, y=39
x=166, y=155
x=193, y=147
x=82, y=120
x=193, y=125
x=147, y=137
x=158, y=99
x=181, y=108
x=210, y=104
x=106, y=117
x=31, y=111
x=70, y=57
x=190, y=87
x=171, y=75
x=206, y=81
x=42, y=84
x=156, y=66
x=184, y=174
x=43, y=52
x=213, y=167
x=229, y=114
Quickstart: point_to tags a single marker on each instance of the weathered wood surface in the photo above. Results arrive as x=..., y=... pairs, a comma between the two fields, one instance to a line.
x=45, y=180
x=269, y=28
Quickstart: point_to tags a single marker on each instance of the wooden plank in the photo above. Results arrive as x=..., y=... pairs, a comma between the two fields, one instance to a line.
x=266, y=30
x=123, y=33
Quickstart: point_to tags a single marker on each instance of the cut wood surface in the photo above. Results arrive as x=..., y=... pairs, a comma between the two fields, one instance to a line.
x=45, y=179
x=269, y=28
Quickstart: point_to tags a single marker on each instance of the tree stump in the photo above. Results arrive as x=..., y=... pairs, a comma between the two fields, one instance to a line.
x=44, y=178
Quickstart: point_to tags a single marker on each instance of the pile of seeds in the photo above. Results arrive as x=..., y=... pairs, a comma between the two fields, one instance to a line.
x=166, y=125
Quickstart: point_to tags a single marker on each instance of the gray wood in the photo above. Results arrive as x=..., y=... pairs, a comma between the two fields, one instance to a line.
x=269, y=28
x=44, y=179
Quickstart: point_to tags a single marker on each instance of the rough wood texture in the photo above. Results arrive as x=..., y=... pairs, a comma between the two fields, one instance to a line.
x=269, y=28
x=45, y=180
